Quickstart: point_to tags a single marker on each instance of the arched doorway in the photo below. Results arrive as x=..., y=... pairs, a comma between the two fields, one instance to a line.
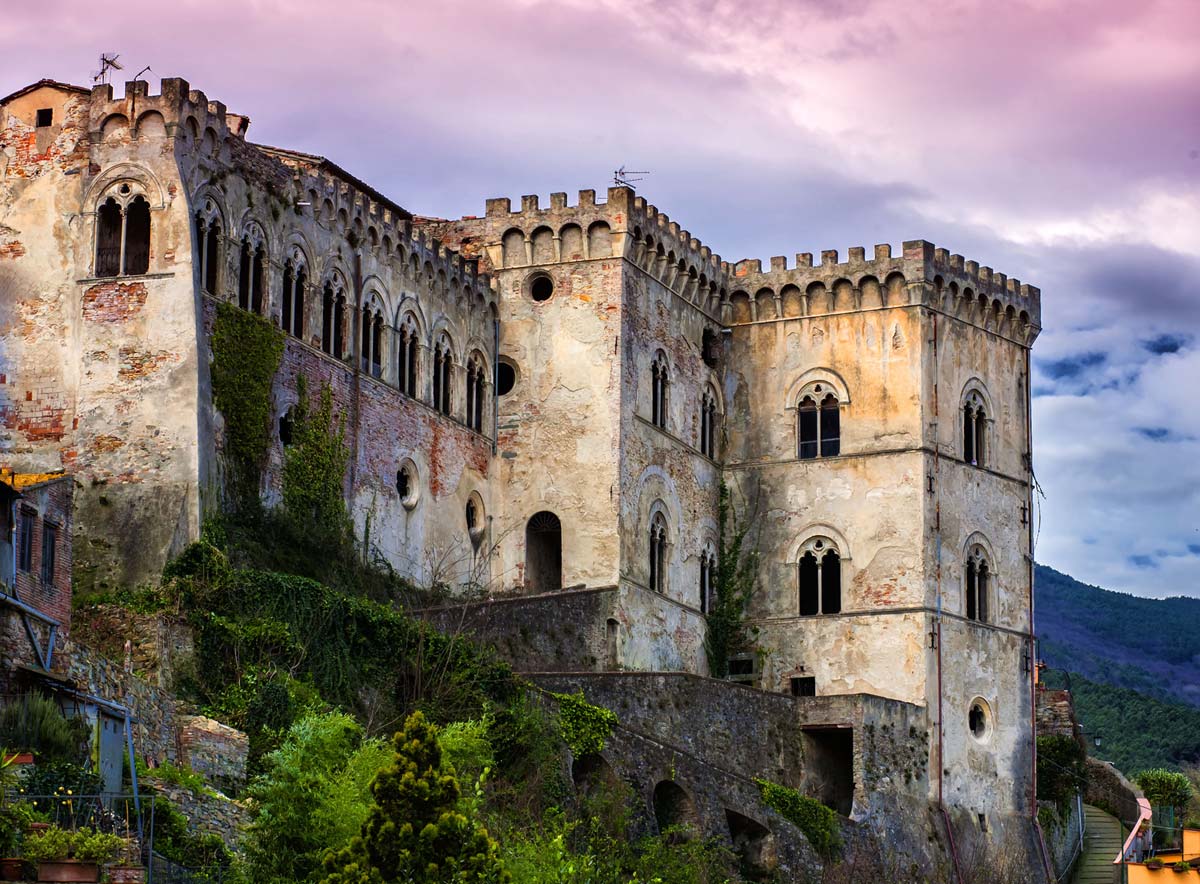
x=675, y=811
x=543, y=553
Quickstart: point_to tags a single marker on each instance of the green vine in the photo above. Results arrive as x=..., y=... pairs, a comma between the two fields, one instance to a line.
x=737, y=570
x=818, y=823
x=314, y=465
x=247, y=351
x=585, y=728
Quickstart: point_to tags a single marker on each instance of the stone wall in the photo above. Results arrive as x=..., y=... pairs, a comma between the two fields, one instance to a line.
x=1063, y=837
x=157, y=642
x=562, y=631
x=1109, y=790
x=155, y=725
x=210, y=813
x=214, y=750
x=1056, y=714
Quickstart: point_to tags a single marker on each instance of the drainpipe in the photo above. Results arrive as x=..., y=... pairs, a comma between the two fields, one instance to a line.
x=1050, y=876
x=937, y=504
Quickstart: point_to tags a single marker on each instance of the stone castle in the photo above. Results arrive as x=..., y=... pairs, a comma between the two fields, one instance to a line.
x=543, y=403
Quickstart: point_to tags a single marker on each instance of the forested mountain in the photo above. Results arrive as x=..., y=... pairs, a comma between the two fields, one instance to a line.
x=1134, y=669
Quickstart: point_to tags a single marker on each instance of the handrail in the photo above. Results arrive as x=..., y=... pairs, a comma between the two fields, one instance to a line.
x=1145, y=814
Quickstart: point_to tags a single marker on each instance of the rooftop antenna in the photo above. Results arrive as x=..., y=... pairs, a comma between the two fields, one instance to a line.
x=108, y=62
x=623, y=178
x=138, y=75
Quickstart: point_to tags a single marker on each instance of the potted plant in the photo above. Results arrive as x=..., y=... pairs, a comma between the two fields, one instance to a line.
x=1154, y=864
x=63, y=856
x=1180, y=867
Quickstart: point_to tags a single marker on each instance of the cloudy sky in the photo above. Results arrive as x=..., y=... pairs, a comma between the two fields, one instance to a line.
x=1056, y=141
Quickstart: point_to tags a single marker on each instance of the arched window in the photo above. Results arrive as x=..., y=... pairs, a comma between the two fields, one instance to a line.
x=476, y=391
x=245, y=260
x=978, y=578
x=659, y=379
x=408, y=344
x=658, y=553
x=974, y=429
x=543, y=553
x=372, y=340
x=442, y=362
x=208, y=239
x=292, y=298
x=110, y=222
x=819, y=425
x=333, y=318
x=137, y=237
x=708, y=580
x=258, y=279
x=708, y=424
x=820, y=572
x=123, y=235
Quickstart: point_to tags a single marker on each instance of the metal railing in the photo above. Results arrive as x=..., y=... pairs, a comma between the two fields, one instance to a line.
x=117, y=814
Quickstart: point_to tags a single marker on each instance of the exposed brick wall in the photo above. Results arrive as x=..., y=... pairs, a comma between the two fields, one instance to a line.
x=214, y=750
x=48, y=503
x=1056, y=714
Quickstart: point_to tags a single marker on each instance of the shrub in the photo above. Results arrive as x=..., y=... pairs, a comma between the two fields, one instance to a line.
x=97, y=847
x=416, y=832
x=34, y=723
x=313, y=795
x=585, y=727
x=48, y=845
x=1166, y=788
x=170, y=773
x=818, y=822
x=1061, y=768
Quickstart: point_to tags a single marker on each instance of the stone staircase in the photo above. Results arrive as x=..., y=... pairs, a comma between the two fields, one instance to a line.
x=1102, y=841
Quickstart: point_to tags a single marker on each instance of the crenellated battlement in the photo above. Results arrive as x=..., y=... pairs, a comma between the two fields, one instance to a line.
x=921, y=274
x=175, y=110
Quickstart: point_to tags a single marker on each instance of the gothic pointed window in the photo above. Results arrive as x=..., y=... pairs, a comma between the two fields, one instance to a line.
x=660, y=385
x=245, y=262
x=442, y=362
x=123, y=234
x=820, y=577
x=708, y=424
x=818, y=424
x=975, y=429
x=258, y=279
x=977, y=588
x=327, y=312
x=708, y=579
x=476, y=391
x=658, y=553
x=406, y=357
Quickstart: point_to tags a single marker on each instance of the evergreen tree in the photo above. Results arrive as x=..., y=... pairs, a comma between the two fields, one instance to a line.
x=417, y=832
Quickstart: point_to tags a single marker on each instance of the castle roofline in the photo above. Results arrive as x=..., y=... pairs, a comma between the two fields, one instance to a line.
x=52, y=84
x=323, y=164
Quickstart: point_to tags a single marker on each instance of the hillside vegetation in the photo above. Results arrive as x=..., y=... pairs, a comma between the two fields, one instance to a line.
x=1134, y=666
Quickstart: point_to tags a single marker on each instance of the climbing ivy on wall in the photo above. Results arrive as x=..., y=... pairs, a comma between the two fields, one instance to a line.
x=314, y=465
x=585, y=728
x=818, y=823
x=247, y=351
x=737, y=570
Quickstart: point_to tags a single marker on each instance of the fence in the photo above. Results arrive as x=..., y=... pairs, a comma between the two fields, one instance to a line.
x=132, y=817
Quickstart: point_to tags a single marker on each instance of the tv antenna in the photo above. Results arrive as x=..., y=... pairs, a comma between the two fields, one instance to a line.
x=623, y=178
x=108, y=62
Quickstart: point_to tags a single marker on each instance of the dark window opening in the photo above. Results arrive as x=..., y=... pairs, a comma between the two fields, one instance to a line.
x=441, y=379
x=506, y=379
x=708, y=425
x=472, y=516
x=710, y=348
x=108, y=238
x=137, y=237
x=804, y=686
x=285, y=300
x=541, y=288
x=543, y=553
x=708, y=574
x=978, y=576
x=403, y=483
x=244, y=263
x=820, y=582
x=287, y=426
x=49, y=545
x=977, y=721
x=25, y=552
x=476, y=391
x=258, y=280
x=819, y=427
x=658, y=553
x=830, y=427
x=981, y=578
x=829, y=767
x=45, y=117
x=658, y=392
x=810, y=594
x=406, y=362
x=980, y=437
x=210, y=236
x=592, y=774
x=741, y=666
x=339, y=326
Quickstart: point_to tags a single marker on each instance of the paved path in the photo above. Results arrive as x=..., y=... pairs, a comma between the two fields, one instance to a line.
x=1102, y=842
